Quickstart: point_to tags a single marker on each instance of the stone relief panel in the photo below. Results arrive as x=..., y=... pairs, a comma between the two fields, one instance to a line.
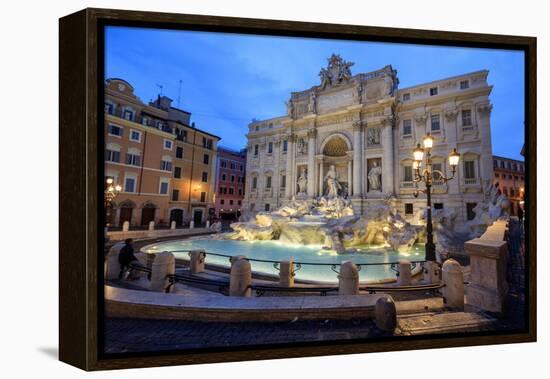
x=373, y=136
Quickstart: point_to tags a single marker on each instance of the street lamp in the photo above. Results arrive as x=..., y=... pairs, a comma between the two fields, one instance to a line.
x=427, y=176
x=111, y=192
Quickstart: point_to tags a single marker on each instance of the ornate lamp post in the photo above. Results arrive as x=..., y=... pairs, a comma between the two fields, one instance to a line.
x=426, y=175
x=111, y=192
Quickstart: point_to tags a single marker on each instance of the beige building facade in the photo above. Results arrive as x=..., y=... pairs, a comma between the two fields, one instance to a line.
x=165, y=165
x=509, y=174
x=362, y=129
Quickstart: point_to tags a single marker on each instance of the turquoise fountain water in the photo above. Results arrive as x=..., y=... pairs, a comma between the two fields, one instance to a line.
x=277, y=251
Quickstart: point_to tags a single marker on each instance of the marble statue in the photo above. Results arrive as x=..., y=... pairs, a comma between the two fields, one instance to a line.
x=289, y=107
x=374, y=177
x=312, y=105
x=302, y=181
x=333, y=186
x=337, y=72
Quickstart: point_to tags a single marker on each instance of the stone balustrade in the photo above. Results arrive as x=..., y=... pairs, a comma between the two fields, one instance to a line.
x=488, y=254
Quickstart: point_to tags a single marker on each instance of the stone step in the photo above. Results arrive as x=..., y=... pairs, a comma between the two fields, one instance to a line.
x=446, y=322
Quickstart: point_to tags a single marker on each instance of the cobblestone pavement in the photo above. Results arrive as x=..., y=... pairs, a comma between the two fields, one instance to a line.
x=137, y=335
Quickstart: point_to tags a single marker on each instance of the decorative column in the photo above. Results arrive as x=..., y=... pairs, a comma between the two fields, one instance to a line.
x=387, y=158
x=290, y=184
x=311, y=162
x=357, y=162
x=350, y=176
x=321, y=177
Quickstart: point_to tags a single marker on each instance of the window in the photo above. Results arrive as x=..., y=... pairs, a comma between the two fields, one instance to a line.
x=205, y=158
x=241, y=168
x=409, y=208
x=222, y=201
x=233, y=166
x=109, y=108
x=466, y=118
x=204, y=177
x=433, y=91
x=266, y=207
x=177, y=172
x=252, y=206
x=179, y=152
x=438, y=205
x=240, y=192
x=129, y=184
x=233, y=178
x=167, y=144
x=163, y=190
x=435, y=123
x=231, y=190
x=239, y=202
x=128, y=114
x=223, y=164
x=257, y=127
x=145, y=121
x=112, y=155
x=135, y=135
x=470, y=214
x=270, y=148
x=464, y=84
x=469, y=170
x=283, y=181
x=203, y=197
x=133, y=159
x=495, y=163
x=224, y=177
x=407, y=128
x=285, y=146
x=408, y=174
x=505, y=191
x=115, y=130
x=511, y=192
x=516, y=177
x=406, y=96
x=256, y=150
x=254, y=182
x=268, y=182
x=175, y=195
x=207, y=142
x=501, y=164
x=497, y=175
x=437, y=178
x=166, y=165
x=231, y=202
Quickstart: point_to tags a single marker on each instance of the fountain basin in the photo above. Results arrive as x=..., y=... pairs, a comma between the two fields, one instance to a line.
x=277, y=250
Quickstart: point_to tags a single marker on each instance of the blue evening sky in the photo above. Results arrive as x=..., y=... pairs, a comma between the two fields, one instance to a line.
x=229, y=79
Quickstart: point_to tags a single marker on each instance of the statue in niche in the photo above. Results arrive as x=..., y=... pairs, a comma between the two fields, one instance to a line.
x=302, y=181
x=333, y=186
x=373, y=136
x=302, y=146
x=312, y=105
x=375, y=177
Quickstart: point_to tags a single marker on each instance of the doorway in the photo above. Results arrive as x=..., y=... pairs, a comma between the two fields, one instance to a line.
x=177, y=216
x=147, y=215
x=197, y=216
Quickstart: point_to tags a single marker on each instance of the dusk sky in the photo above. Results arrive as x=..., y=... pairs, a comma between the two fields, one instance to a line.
x=229, y=79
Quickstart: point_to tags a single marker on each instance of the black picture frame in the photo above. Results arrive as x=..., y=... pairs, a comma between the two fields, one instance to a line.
x=81, y=190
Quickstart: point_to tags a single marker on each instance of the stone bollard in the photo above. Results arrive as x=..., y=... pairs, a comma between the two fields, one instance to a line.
x=112, y=267
x=235, y=258
x=163, y=265
x=151, y=226
x=207, y=224
x=348, y=279
x=286, y=273
x=240, y=278
x=386, y=314
x=196, y=261
x=404, y=273
x=126, y=226
x=432, y=272
x=453, y=278
x=191, y=224
x=173, y=225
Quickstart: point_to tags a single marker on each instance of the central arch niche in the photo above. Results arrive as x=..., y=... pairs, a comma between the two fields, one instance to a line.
x=335, y=147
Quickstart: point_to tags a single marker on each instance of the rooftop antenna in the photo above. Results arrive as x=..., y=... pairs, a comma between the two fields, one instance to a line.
x=160, y=89
x=179, y=94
